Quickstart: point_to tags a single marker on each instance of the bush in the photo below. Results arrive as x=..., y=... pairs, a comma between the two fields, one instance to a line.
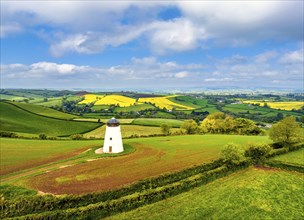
x=8, y=134
x=258, y=152
x=42, y=137
x=233, y=154
x=77, y=137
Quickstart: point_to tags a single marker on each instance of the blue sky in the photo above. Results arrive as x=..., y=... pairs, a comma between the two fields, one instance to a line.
x=154, y=45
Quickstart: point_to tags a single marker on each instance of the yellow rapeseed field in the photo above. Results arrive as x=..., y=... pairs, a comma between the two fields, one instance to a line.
x=120, y=100
x=164, y=102
x=278, y=105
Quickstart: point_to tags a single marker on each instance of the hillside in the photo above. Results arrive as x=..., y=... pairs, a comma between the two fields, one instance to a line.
x=14, y=119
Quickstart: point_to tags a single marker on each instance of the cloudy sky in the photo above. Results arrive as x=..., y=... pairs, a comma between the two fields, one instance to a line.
x=152, y=44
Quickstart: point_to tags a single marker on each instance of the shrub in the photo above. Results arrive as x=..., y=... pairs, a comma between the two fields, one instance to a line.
x=42, y=137
x=77, y=136
x=258, y=152
x=8, y=134
x=233, y=154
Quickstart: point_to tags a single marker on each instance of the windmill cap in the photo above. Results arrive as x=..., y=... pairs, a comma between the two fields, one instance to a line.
x=113, y=122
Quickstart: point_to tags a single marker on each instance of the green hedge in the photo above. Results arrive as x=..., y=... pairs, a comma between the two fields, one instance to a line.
x=104, y=209
x=285, y=166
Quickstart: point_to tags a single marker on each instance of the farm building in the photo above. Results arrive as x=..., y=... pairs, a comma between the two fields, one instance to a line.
x=113, y=140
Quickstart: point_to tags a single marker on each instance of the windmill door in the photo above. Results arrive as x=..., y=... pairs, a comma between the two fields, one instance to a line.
x=110, y=149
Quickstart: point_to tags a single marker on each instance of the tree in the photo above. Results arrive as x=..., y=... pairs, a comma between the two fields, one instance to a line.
x=165, y=129
x=286, y=131
x=247, y=127
x=190, y=126
x=233, y=154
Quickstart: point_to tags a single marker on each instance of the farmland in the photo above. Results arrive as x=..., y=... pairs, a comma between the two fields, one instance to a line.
x=19, y=154
x=157, y=122
x=249, y=194
x=278, y=105
x=119, y=100
x=164, y=102
x=153, y=156
x=128, y=131
x=14, y=119
x=296, y=157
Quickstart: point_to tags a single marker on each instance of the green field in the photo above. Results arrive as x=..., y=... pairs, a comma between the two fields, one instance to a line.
x=127, y=131
x=14, y=119
x=134, y=108
x=295, y=157
x=245, y=108
x=11, y=97
x=44, y=111
x=51, y=101
x=18, y=154
x=249, y=194
x=157, y=122
x=152, y=157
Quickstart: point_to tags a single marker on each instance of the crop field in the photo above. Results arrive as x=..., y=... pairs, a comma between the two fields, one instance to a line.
x=248, y=194
x=14, y=119
x=157, y=122
x=127, y=131
x=19, y=154
x=44, y=111
x=153, y=156
x=245, y=108
x=278, y=105
x=164, y=102
x=120, y=100
x=295, y=157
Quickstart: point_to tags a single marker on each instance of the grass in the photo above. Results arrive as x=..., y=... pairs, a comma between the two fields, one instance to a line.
x=51, y=101
x=157, y=122
x=153, y=157
x=295, y=157
x=134, y=108
x=127, y=131
x=14, y=119
x=249, y=194
x=11, y=97
x=18, y=154
x=243, y=108
x=44, y=111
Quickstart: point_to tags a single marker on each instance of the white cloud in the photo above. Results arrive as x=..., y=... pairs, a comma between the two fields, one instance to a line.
x=265, y=57
x=182, y=74
x=293, y=57
x=91, y=27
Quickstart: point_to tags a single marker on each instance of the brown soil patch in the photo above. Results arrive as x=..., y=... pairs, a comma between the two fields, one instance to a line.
x=265, y=168
x=110, y=173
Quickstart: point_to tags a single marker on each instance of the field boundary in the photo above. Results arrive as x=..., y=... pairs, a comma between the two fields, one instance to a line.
x=285, y=165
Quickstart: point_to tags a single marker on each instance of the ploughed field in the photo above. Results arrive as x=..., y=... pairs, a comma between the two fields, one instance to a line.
x=152, y=157
x=253, y=193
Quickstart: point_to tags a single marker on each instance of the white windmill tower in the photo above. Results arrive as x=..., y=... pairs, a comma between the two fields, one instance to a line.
x=113, y=140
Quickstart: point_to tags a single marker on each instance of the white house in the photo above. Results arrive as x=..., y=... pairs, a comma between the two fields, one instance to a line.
x=113, y=140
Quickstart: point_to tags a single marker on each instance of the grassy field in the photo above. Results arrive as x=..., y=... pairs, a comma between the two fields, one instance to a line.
x=18, y=154
x=249, y=194
x=14, y=119
x=11, y=97
x=295, y=157
x=44, y=111
x=127, y=131
x=245, y=108
x=135, y=108
x=157, y=122
x=153, y=156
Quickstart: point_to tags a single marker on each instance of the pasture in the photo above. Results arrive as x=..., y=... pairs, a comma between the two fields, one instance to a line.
x=19, y=154
x=157, y=122
x=152, y=157
x=14, y=119
x=44, y=111
x=248, y=194
x=295, y=157
x=127, y=131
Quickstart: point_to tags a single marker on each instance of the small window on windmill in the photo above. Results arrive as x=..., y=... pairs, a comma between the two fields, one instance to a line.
x=110, y=139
